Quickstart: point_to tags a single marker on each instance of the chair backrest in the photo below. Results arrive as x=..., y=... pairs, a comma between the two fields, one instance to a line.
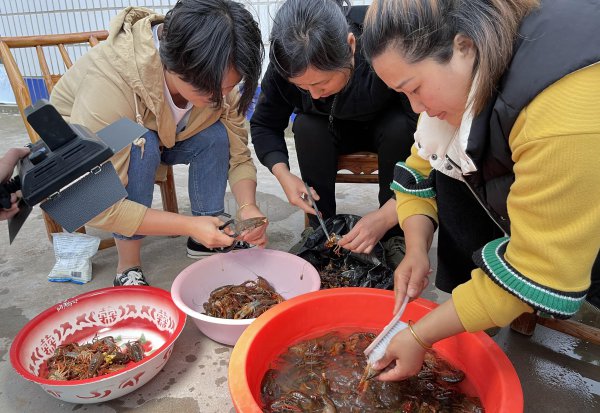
x=362, y=166
x=39, y=43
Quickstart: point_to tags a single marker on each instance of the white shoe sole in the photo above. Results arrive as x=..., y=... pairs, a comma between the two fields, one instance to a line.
x=198, y=255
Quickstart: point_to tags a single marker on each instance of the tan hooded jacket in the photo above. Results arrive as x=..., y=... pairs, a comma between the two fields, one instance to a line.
x=104, y=85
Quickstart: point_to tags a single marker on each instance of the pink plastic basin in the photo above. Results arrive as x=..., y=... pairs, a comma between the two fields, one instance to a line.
x=289, y=274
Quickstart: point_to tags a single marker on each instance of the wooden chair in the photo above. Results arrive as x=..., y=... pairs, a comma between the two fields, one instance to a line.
x=362, y=167
x=355, y=168
x=526, y=323
x=23, y=99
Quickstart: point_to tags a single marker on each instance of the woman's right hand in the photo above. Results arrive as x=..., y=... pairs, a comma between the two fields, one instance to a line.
x=205, y=230
x=294, y=189
x=411, y=276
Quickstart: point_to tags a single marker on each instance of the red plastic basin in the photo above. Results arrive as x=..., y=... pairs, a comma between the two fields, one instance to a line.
x=492, y=376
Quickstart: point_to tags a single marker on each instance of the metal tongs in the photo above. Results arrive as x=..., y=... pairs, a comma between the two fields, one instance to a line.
x=239, y=227
x=332, y=238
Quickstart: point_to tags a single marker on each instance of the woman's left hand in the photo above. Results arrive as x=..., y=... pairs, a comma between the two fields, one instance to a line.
x=405, y=355
x=365, y=234
x=257, y=236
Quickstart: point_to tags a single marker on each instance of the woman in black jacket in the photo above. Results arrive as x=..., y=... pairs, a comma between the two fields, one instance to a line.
x=317, y=71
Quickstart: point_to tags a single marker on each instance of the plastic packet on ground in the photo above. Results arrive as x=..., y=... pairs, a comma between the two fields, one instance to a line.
x=73, y=254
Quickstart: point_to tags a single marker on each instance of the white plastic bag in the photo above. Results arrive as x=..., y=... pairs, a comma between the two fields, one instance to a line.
x=73, y=254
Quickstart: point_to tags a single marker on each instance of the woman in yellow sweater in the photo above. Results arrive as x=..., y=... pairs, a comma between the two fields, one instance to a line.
x=505, y=159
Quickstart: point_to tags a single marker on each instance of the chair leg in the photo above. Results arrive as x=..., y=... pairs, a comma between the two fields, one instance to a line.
x=51, y=226
x=525, y=324
x=106, y=243
x=572, y=328
x=168, y=194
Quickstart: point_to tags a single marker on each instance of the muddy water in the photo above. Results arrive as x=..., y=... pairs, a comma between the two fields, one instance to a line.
x=323, y=374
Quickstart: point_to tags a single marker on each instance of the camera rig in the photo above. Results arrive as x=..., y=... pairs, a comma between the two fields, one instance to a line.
x=67, y=170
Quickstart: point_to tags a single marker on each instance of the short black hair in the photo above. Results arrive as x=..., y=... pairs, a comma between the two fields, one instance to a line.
x=310, y=33
x=202, y=39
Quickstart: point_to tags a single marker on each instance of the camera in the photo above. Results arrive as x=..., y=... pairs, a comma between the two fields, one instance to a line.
x=67, y=170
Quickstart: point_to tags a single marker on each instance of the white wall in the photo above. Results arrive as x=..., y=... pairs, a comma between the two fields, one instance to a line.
x=35, y=17
x=6, y=94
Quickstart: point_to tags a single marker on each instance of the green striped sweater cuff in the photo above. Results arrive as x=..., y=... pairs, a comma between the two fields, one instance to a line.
x=410, y=181
x=560, y=304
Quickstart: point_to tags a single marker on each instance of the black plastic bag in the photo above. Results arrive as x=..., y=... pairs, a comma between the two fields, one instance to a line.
x=344, y=268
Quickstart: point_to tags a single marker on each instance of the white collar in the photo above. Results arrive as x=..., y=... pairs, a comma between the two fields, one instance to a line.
x=436, y=136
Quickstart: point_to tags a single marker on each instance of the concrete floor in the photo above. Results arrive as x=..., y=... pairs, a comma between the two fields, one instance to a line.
x=558, y=373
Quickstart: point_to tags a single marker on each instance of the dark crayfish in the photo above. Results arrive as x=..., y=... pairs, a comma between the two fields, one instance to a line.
x=101, y=356
x=247, y=300
x=323, y=374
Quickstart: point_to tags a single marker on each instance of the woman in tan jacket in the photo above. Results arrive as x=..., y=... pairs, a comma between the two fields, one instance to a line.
x=178, y=76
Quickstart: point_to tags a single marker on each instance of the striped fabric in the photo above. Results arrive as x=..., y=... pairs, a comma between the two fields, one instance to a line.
x=559, y=304
x=410, y=181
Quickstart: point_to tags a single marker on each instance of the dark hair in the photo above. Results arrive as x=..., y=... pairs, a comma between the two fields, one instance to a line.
x=310, y=33
x=420, y=29
x=202, y=39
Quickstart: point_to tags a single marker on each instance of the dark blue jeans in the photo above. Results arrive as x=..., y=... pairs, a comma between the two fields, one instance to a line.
x=207, y=154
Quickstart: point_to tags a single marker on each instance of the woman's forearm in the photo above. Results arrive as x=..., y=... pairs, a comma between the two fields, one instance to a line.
x=203, y=229
x=244, y=192
x=387, y=213
x=440, y=323
x=157, y=222
x=418, y=232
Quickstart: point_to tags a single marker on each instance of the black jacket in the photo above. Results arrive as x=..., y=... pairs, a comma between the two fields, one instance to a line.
x=554, y=40
x=363, y=98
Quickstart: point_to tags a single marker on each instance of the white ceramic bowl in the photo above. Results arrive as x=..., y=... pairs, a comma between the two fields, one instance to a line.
x=289, y=274
x=128, y=312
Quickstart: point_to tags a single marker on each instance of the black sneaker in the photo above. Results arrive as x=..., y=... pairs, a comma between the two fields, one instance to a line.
x=131, y=276
x=395, y=250
x=196, y=251
x=298, y=247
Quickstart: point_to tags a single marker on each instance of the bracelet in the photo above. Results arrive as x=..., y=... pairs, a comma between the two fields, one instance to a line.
x=421, y=342
x=243, y=206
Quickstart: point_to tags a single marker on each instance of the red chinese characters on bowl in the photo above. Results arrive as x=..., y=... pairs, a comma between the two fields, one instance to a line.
x=129, y=313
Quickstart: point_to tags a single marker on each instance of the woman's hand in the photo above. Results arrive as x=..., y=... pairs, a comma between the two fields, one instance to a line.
x=404, y=357
x=365, y=234
x=257, y=236
x=294, y=189
x=10, y=160
x=370, y=229
x=205, y=230
x=411, y=277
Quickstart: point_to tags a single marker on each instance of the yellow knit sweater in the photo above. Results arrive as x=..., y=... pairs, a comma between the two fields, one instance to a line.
x=554, y=203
